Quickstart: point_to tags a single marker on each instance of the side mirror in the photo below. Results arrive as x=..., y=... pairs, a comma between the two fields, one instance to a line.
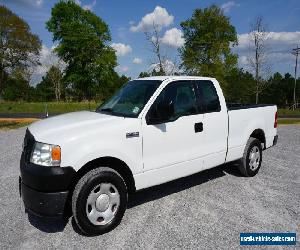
x=160, y=113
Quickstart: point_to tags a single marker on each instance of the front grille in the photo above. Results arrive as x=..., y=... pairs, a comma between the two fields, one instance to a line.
x=28, y=145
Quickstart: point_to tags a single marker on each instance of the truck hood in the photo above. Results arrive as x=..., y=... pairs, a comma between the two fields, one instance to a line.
x=69, y=126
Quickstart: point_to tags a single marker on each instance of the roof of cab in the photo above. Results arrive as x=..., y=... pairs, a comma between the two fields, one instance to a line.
x=163, y=78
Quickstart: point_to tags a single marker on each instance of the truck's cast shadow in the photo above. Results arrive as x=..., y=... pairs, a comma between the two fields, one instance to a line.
x=47, y=225
x=178, y=185
x=144, y=196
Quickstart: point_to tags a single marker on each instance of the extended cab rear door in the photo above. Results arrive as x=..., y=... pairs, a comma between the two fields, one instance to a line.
x=215, y=122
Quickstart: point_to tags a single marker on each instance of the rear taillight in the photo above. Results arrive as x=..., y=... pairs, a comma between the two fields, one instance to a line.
x=275, y=122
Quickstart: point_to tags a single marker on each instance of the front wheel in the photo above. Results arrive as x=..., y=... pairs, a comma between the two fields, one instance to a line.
x=99, y=201
x=251, y=161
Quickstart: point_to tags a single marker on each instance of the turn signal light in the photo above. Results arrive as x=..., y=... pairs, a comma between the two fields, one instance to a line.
x=56, y=155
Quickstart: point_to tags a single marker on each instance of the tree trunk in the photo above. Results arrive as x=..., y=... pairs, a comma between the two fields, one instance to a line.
x=257, y=69
x=57, y=90
x=2, y=78
x=257, y=89
x=159, y=59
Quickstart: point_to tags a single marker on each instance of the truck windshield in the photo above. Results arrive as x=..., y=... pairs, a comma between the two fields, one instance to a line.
x=130, y=99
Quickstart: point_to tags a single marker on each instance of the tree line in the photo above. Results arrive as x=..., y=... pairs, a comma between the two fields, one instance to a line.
x=88, y=69
x=82, y=40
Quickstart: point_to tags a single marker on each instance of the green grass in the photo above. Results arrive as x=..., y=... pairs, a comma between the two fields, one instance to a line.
x=64, y=107
x=288, y=121
x=39, y=107
x=4, y=125
x=288, y=112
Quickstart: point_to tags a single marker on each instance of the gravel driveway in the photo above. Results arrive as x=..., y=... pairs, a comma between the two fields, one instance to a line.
x=206, y=210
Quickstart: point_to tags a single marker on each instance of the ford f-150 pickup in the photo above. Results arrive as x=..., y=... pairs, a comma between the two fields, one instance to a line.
x=152, y=131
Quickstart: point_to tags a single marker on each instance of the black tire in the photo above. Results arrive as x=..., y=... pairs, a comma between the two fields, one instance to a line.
x=83, y=189
x=244, y=165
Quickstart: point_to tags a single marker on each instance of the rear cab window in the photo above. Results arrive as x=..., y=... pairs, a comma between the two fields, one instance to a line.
x=208, y=99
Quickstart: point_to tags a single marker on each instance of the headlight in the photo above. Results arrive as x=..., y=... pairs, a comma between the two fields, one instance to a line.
x=46, y=154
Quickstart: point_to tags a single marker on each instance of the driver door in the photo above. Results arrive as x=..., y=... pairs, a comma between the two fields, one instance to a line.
x=175, y=146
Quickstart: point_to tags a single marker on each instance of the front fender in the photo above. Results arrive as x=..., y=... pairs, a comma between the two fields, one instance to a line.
x=77, y=162
x=128, y=151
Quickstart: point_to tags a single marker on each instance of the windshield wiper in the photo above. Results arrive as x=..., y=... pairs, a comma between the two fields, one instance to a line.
x=106, y=109
x=112, y=112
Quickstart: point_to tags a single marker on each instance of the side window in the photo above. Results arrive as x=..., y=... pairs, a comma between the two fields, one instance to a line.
x=209, y=100
x=181, y=94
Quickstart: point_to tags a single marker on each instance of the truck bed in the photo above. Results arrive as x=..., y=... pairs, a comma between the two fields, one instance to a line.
x=246, y=118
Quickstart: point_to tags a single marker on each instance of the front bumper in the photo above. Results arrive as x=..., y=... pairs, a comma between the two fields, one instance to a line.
x=46, y=179
x=44, y=190
x=43, y=204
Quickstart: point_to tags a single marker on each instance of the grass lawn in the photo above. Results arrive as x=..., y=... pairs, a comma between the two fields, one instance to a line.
x=7, y=123
x=288, y=112
x=40, y=107
x=65, y=107
x=286, y=121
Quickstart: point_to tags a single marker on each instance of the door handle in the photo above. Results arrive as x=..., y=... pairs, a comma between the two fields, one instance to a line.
x=198, y=127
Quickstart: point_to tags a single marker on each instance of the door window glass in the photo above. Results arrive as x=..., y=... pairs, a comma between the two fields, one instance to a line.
x=208, y=97
x=181, y=95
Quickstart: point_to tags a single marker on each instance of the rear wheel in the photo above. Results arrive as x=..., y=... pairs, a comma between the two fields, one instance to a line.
x=251, y=161
x=99, y=201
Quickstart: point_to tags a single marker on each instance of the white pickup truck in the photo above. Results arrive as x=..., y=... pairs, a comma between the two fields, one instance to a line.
x=152, y=131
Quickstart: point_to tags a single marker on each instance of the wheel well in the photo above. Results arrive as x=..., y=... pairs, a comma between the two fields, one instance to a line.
x=260, y=135
x=114, y=163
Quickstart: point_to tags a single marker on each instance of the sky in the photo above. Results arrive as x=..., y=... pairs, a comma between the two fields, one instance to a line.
x=128, y=20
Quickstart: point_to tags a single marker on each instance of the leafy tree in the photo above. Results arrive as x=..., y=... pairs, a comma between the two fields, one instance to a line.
x=240, y=86
x=279, y=90
x=144, y=74
x=19, y=48
x=16, y=87
x=44, y=90
x=82, y=43
x=55, y=76
x=158, y=72
x=121, y=81
x=272, y=91
x=113, y=84
x=50, y=88
x=208, y=36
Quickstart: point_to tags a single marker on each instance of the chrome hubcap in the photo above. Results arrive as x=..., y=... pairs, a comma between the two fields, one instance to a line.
x=102, y=204
x=254, y=158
